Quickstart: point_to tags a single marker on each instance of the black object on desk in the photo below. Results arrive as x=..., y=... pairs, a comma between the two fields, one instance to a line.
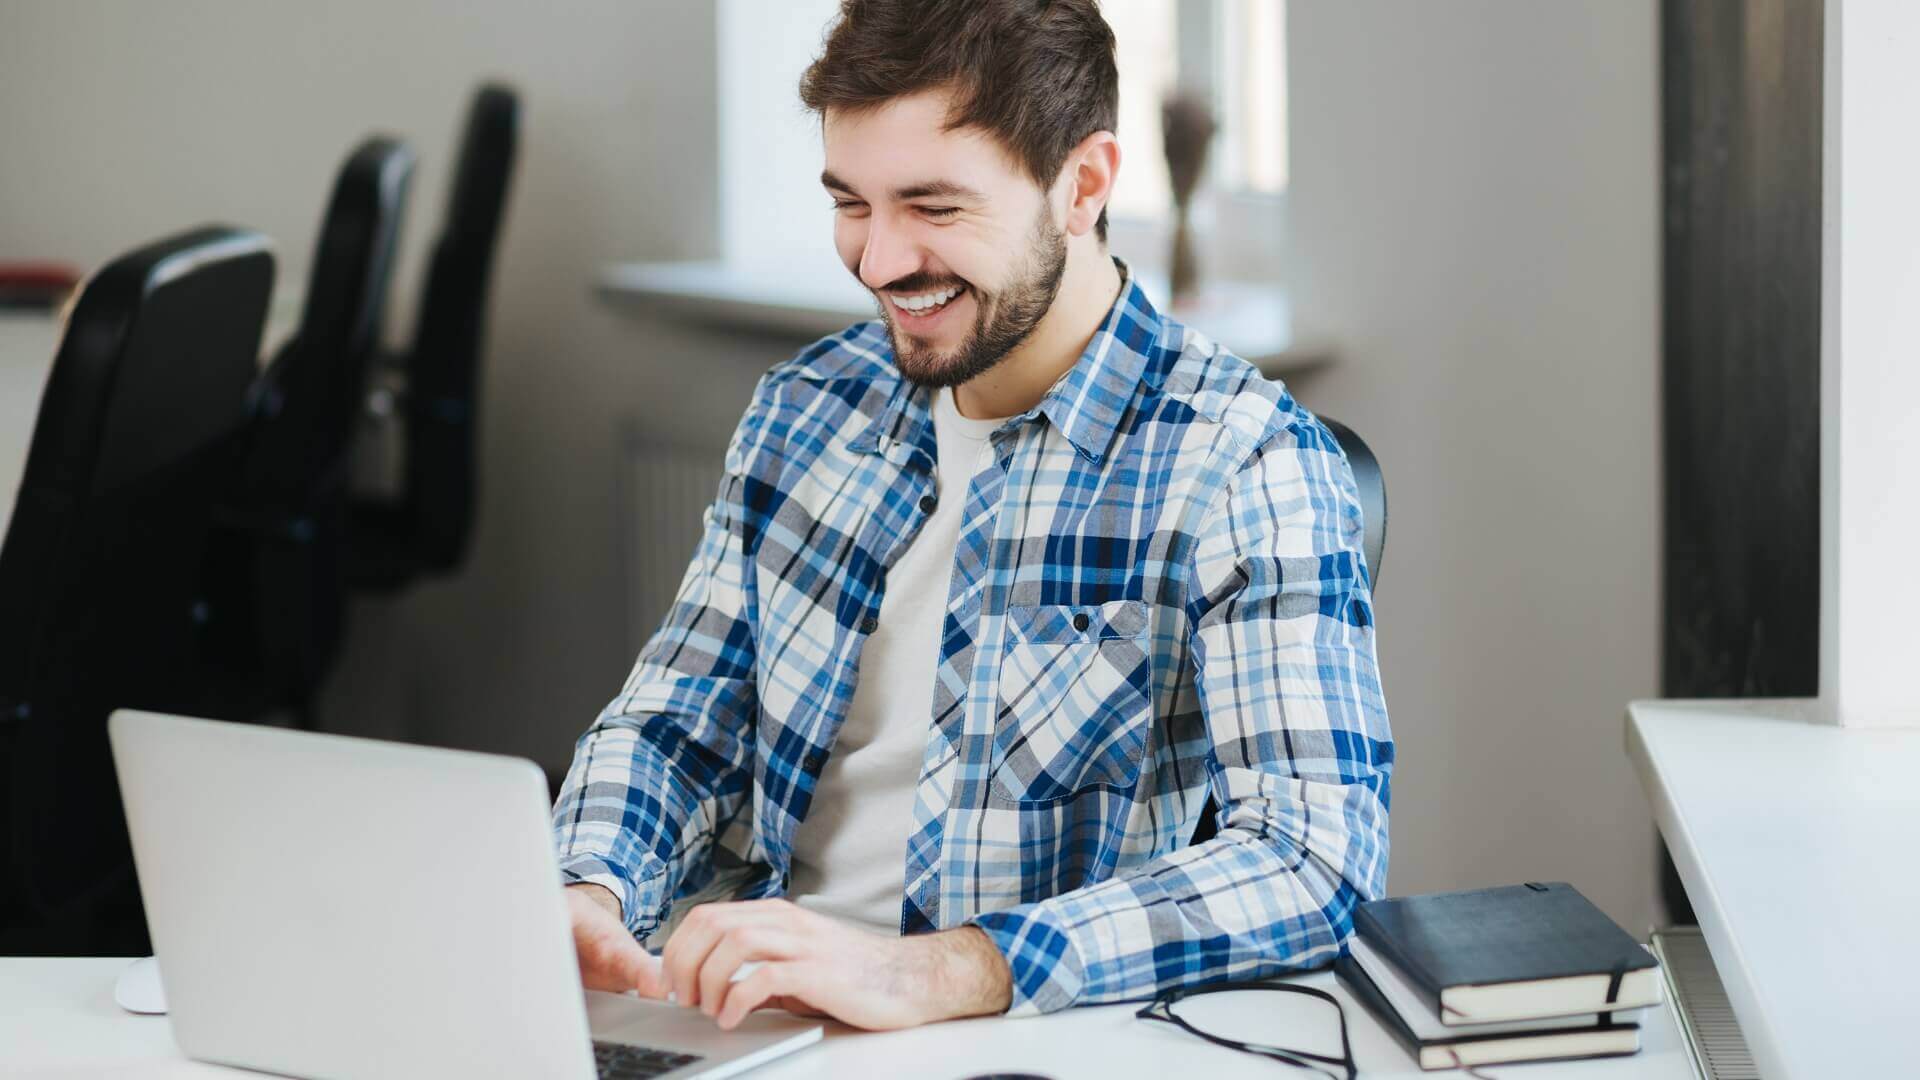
x=1530, y=972
x=1564, y=1039
x=1161, y=1008
x=1466, y=952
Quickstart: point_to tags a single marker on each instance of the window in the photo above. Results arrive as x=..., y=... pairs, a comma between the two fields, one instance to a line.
x=1251, y=39
x=1142, y=30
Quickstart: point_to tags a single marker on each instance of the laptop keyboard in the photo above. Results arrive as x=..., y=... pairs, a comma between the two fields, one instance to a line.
x=624, y=1061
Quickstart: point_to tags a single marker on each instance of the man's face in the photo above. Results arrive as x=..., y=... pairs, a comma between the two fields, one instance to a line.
x=956, y=242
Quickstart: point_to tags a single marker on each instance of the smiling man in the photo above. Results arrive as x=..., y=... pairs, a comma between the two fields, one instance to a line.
x=995, y=592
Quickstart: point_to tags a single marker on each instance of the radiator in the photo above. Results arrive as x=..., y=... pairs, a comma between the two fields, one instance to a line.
x=665, y=490
x=1707, y=1024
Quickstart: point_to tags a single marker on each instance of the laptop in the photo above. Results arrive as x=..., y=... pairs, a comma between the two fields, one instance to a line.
x=327, y=906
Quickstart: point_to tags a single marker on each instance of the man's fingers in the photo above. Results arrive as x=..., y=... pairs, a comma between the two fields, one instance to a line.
x=777, y=978
x=610, y=959
x=788, y=1003
x=598, y=977
x=737, y=947
x=618, y=966
x=649, y=977
x=687, y=950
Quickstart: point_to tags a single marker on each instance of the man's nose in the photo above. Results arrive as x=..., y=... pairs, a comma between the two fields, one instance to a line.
x=889, y=256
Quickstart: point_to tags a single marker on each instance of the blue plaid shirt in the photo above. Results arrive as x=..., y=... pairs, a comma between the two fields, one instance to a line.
x=1158, y=593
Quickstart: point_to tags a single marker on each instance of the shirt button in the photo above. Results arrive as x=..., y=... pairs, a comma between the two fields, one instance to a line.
x=1080, y=620
x=927, y=503
x=815, y=760
x=869, y=624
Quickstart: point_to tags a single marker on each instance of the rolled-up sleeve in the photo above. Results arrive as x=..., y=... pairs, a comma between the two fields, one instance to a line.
x=669, y=760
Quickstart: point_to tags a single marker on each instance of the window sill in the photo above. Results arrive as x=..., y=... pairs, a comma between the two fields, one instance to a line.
x=1250, y=318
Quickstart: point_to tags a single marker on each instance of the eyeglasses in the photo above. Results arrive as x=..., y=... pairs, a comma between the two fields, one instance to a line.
x=1161, y=1009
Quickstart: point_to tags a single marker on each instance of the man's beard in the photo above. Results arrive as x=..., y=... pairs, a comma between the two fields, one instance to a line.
x=1002, y=319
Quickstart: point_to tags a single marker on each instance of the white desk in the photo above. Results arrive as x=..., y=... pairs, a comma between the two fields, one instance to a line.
x=1797, y=843
x=57, y=1018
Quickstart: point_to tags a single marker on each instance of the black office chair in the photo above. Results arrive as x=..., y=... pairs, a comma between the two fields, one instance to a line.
x=438, y=382
x=1373, y=544
x=282, y=575
x=101, y=571
x=1373, y=495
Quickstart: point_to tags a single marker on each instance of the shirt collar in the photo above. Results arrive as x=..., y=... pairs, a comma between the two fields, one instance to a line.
x=1086, y=404
x=1091, y=399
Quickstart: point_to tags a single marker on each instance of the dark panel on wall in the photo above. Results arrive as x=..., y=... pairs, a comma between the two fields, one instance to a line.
x=1741, y=99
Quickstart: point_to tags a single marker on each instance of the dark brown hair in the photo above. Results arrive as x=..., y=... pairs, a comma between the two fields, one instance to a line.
x=1037, y=75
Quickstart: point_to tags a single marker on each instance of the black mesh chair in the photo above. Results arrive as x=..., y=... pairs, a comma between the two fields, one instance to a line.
x=281, y=579
x=1373, y=543
x=428, y=528
x=100, y=577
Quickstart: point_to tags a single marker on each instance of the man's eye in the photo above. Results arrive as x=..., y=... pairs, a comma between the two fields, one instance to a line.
x=939, y=211
x=845, y=204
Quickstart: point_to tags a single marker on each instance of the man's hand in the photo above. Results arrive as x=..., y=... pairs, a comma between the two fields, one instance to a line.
x=609, y=957
x=809, y=963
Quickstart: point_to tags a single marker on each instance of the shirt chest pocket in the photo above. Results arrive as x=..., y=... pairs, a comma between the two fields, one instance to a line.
x=1074, y=708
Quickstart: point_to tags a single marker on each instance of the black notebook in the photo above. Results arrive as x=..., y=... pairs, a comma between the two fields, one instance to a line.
x=1518, y=952
x=1571, y=1038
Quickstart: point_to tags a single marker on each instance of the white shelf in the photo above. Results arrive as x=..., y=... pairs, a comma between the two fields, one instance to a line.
x=1796, y=841
x=1249, y=318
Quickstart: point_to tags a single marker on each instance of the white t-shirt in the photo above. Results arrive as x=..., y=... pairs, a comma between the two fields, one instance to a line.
x=850, y=854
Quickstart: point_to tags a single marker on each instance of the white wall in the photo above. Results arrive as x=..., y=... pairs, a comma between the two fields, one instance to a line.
x=122, y=121
x=1475, y=226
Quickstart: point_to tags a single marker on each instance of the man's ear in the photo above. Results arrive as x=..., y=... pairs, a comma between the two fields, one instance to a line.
x=1088, y=176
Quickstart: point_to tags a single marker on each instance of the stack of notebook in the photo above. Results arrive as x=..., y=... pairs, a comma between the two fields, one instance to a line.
x=1521, y=973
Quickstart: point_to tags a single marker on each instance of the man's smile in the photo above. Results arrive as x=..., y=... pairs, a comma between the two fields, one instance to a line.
x=923, y=310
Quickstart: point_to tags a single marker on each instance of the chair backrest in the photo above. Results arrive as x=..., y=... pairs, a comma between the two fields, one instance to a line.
x=443, y=371
x=280, y=585
x=1373, y=494
x=101, y=572
x=310, y=395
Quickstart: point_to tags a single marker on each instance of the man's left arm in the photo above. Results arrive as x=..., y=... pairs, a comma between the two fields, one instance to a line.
x=1281, y=634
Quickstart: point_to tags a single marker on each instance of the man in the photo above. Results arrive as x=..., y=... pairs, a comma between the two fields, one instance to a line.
x=996, y=590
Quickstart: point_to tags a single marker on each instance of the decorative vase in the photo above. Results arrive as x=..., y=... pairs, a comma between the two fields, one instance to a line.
x=1187, y=127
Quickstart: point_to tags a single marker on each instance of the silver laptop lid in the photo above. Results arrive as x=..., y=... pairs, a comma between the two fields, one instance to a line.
x=330, y=906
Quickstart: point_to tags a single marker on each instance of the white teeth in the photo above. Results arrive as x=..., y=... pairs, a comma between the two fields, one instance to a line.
x=925, y=301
